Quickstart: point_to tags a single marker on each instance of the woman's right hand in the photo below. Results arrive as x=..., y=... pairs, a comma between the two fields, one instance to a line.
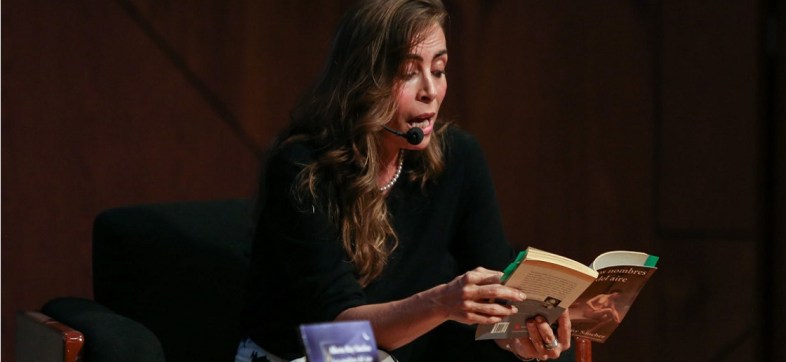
x=471, y=298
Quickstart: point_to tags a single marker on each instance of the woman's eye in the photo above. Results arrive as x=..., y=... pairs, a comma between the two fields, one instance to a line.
x=439, y=73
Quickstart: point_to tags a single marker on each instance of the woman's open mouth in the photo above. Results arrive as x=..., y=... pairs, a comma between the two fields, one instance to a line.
x=421, y=124
x=422, y=121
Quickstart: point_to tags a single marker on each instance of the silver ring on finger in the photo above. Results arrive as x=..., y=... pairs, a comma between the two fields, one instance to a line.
x=549, y=346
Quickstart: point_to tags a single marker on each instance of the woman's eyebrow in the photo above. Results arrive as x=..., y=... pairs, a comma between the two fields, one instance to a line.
x=441, y=53
x=417, y=57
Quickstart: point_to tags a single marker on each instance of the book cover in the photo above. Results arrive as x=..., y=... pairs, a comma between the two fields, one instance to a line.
x=601, y=308
x=351, y=341
x=554, y=283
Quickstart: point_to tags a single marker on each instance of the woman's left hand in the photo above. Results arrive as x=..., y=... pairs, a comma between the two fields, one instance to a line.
x=541, y=341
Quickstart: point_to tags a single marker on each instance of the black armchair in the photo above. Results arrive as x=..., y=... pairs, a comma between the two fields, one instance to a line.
x=168, y=282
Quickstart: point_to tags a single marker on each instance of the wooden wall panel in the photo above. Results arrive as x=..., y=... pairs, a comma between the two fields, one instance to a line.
x=560, y=97
x=777, y=221
x=709, y=118
x=256, y=56
x=708, y=163
x=93, y=117
x=706, y=292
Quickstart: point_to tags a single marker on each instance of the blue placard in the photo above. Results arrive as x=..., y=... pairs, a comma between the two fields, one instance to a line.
x=339, y=342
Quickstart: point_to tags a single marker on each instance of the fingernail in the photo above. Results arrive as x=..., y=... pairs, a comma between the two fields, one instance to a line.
x=522, y=296
x=514, y=309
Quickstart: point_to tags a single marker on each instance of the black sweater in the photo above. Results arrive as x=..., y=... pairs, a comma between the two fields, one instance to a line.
x=299, y=270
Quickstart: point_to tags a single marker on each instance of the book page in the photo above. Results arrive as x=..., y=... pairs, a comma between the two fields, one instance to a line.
x=540, y=280
x=556, y=259
x=623, y=257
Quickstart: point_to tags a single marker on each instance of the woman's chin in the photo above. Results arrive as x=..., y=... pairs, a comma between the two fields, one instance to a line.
x=420, y=146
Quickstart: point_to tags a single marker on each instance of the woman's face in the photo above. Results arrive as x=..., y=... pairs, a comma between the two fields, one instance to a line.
x=421, y=89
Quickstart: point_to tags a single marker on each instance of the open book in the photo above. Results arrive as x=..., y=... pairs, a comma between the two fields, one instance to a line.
x=598, y=296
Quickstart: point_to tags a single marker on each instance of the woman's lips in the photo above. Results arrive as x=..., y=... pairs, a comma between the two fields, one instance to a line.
x=423, y=121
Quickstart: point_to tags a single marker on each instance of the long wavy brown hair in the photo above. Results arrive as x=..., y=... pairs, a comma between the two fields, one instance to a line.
x=342, y=116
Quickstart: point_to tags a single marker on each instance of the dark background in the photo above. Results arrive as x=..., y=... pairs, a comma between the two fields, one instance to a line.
x=639, y=124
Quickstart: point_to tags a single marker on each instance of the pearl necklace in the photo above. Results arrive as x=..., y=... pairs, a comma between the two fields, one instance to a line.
x=392, y=181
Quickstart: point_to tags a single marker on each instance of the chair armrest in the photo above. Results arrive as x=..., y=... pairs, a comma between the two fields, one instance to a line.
x=108, y=336
x=41, y=338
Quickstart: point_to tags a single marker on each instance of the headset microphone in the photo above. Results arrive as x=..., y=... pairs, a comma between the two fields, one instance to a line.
x=414, y=135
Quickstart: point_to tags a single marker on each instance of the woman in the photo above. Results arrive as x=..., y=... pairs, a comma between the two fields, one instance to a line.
x=358, y=223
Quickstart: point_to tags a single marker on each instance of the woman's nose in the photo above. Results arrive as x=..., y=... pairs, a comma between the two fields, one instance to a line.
x=428, y=91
